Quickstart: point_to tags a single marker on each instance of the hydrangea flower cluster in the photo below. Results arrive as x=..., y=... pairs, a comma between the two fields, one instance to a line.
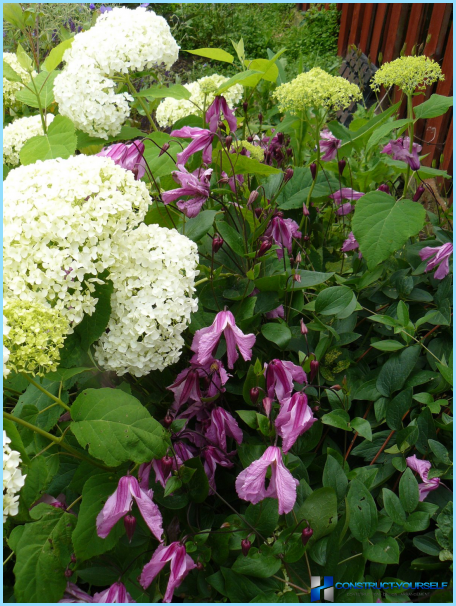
x=17, y=133
x=11, y=88
x=408, y=73
x=13, y=479
x=6, y=351
x=85, y=89
x=59, y=218
x=316, y=89
x=171, y=110
x=153, y=276
x=35, y=336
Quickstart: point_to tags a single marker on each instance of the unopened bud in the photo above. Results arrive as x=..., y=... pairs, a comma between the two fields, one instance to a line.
x=306, y=535
x=258, y=212
x=228, y=141
x=419, y=192
x=280, y=138
x=335, y=387
x=260, y=117
x=253, y=196
x=267, y=405
x=316, y=408
x=384, y=187
x=288, y=175
x=306, y=238
x=264, y=247
x=245, y=106
x=217, y=243
x=250, y=138
x=130, y=525
x=304, y=329
x=200, y=566
x=297, y=277
x=68, y=573
x=245, y=546
x=292, y=260
x=73, y=558
x=225, y=525
x=313, y=170
x=164, y=149
x=289, y=152
x=341, y=165
x=298, y=258
x=167, y=420
x=254, y=394
x=305, y=210
x=224, y=180
x=313, y=369
x=167, y=465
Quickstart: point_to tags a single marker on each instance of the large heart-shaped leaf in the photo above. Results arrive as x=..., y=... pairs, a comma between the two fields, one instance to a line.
x=59, y=142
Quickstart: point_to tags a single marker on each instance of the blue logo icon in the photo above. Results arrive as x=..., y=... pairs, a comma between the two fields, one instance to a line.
x=317, y=587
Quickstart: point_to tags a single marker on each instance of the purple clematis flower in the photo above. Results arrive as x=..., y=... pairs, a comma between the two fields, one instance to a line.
x=120, y=502
x=329, y=144
x=116, y=594
x=129, y=157
x=346, y=193
x=280, y=376
x=232, y=180
x=202, y=140
x=213, y=456
x=384, y=187
x=195, y=185
x=162, y=470
x=186, y=387
x=423, y=467
x=278, y=312
x=180, y=563
x=250, y=483
x=295, y=418
x=218, y=106
x=345, y=209
x=399, y=149
x=74, y=595
x=282, y=231
x=442, y=255
x=223, y=424
x=350, y=243
x=206, y=340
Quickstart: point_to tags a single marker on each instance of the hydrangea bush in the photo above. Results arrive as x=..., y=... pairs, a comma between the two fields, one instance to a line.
x=227, y=344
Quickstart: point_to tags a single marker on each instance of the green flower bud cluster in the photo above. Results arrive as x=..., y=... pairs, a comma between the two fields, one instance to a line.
x=36, y=334
x=408, y=73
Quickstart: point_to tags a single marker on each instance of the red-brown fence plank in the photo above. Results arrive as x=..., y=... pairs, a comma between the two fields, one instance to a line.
x=437, y=28
x=377, y=32
x=392, y=33
x=344, y=31
x=413, y=29
x=366, y=26
x=356, y=23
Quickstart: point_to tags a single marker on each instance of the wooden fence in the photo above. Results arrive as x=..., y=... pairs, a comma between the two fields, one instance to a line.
x=385, y=31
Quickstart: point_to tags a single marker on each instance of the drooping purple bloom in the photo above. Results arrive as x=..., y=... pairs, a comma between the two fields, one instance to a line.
x=218, y=106
x=329, y=144
x=128, y=156
x=232, y=180
x=116, y=594
x=346, y=193
x=278, y=312
x=280, y=376
x=186, y=387
x=350, y=243
x=213, y=456
x=295, y=418
x=399, y=149
x=206, y=340
x=282, y=231
x=223, y=424
x=74, y=595
x=250, y=483
x=384, y=187
x=441, y=256
x=202, y=140
x=180, y=563
x=196, y=185
x=162, y=471
x=423, y=467
x=120, y=503
x=345, y=209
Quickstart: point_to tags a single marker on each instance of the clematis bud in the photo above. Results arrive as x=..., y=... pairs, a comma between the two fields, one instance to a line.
x=164, y=149
x=267, y=405
x=265, y=246
x=250, y=138
x=224, y=180
x=307, y=238
x=229, y=141
x=335, y=387
x=221, y=125
x=254, y=394
x=316, y=408
x=245, y=106
x=305, y=210
x=289, y=152
x=313, y=170
x=73, y=558
x=245, y=546
x=167, y=465
x=297, y=277
x=341, y=165
x=225, y=525
x=419, y=192
x=258, y=212
x=313, y=369
x=306, y=535
x=260, y=117
x=253, y=196
x=288, y=175
x=304, y=329
x=167, y=420
x=280, y=138
x=298, y=258
x=130, y=525
x=217, y=244
x=292, y=260
x=200, y=566
x=384, y=187
x=68, y=573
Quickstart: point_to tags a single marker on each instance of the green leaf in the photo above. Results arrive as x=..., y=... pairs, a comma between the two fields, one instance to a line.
x=264, y=516
x=231, y=237
x=59, y=142
x=388, y=345
x=42, y=555
x=249, y=417
x=56, y=55
x=24, y=60
x=397, y=408
x=333, y=300
x=337, y=418
x=126, y=134
x=242, y=165
x=95, y=493
x=440, y=452
x=175, y=91
x=384, y=130
x=409, y=493
x=44, y=83
x=396, y=369
x=320, y=509
x=384, y=552
x=198, y=227
x=116, y=427
x=92, y=327
x=9, y=73
x=363, y=511
x=383, y=225
x=362, y=426
x=310, y=278
x=279, y=334
x=393, y=507
x=427, y=545
x=257, y=565
x=12, y=12
x=39, y=475
x=217, y=54
x=198, y=488
x=172, y=485
x=417, y=522
x=435, y=106
x=334, y=477
x=16, y=440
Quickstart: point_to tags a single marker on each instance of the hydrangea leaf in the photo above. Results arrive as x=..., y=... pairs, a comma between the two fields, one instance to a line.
x=59, y=142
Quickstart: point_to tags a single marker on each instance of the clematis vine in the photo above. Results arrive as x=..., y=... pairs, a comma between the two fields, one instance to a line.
x=282, y=232
x=329, y=144
x=217, y=107
x=201, y=141
x=223, y=424
x=423, y=467
x=128, y=156
x=206, y=340
x=441, y=256
x=180, y=565
x=280, y=376
x=250, y=483
x=120, y=502
x=294, y=419
x=399, y=149
x=195, y=185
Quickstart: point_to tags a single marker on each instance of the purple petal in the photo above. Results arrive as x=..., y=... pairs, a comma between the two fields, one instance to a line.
x=118, y=505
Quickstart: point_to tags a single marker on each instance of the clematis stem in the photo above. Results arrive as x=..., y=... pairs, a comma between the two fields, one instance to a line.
x=73, y=503
x=143, y=105
x=239, y=516
x=49, y=395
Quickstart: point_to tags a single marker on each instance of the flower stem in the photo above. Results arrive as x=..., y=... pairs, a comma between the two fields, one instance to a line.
x=410, y=133
x=143, y=105
x=49, y=395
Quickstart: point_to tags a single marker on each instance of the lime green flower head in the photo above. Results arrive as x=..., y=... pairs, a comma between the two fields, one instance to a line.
x=36, y=334
x=256, y=151
x=316, y=89
x=408, y=73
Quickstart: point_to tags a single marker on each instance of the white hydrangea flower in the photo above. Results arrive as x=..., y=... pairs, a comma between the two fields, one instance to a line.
x=17, y=133
x=6, y=352
x=11, y=88
x=171, y=110
x=121, y=41
x=153, y=276
x=59, y=220
x=13, y=479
